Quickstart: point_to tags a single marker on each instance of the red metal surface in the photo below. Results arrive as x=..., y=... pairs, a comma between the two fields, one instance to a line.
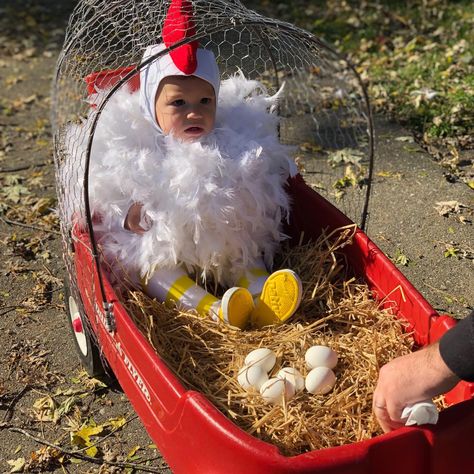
x=194, y=437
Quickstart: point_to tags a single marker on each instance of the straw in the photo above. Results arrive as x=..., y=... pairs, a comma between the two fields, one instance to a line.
x=336, y=310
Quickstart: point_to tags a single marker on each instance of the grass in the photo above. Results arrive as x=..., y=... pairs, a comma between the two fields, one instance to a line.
x=418, y=57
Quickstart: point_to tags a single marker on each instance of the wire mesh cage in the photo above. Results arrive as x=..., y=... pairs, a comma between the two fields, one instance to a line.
x=324, y=107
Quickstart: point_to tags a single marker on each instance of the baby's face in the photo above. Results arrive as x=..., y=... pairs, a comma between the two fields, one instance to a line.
x=185, y=106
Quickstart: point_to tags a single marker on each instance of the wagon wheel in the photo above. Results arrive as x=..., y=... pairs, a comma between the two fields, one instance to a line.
x=86, y=345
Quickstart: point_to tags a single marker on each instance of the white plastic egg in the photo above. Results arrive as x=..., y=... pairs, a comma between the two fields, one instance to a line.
x=320, y=356
x=293, y=377
x=320, y=380
x=252, y=376
x=273, y=390
x=264, y=357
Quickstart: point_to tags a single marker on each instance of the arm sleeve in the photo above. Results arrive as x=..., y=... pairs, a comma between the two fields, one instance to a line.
x=457, y=348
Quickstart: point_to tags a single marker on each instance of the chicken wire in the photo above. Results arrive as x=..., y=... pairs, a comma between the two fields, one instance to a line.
x=324, y=108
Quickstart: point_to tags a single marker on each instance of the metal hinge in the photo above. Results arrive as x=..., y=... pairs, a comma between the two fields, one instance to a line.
x=109, y=316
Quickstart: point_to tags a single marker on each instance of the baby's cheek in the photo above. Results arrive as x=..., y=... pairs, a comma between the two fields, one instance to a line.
x=167, y=124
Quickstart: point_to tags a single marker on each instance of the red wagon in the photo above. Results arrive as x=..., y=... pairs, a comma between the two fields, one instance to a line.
x=176, y=418
x=190, y=432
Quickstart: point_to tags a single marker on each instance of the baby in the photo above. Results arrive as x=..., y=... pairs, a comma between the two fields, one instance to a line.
x=187, y=183
x=181, y=104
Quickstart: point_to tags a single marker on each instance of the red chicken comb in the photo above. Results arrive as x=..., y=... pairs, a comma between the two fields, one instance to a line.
x=178, y=26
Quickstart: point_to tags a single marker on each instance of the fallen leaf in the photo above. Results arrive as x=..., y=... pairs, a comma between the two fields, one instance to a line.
x=116, y=423
x=389, y=174
x=310, y=147
x=65, y=407
x=451, y=252
x=22, y=101
x=17, y=464
x=15, y=192
x=444, y=208
x=131, y=456
x=407, y=139
x=92, y=451
x=82, y=437
x=345, y=156
x=12, y=80
x=43, y=205
x=401, y=258
x=44, y=408
x=44, y=459
x=411, y=149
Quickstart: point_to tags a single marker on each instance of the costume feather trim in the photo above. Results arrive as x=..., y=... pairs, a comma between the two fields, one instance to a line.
x=215, y=206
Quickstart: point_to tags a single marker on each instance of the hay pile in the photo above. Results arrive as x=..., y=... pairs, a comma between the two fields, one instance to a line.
x=336, y=311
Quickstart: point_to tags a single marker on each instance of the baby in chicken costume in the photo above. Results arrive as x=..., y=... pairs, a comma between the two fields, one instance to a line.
x=198, y=190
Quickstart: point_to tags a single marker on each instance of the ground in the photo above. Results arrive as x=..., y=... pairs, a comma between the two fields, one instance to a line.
x=40, y=371
x=43, y=390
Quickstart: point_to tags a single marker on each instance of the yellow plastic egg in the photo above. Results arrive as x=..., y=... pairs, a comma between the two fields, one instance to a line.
x=263, y=356
x=252, y=376
x=320, y=380
x=320, y=356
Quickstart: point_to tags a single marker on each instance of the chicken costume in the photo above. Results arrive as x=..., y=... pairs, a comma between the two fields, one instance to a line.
x=211, y=207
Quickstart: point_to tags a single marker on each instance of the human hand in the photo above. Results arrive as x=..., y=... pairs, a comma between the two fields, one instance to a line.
x=409, y=379
x=133, y=220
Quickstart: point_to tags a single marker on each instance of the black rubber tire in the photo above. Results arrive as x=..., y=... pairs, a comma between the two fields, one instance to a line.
x=84, y=342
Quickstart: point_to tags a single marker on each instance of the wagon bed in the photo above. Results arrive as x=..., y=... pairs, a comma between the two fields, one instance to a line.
x=194, y=437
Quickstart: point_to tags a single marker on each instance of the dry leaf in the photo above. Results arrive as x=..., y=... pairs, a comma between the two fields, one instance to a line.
x=17, y=464
x=444, y=208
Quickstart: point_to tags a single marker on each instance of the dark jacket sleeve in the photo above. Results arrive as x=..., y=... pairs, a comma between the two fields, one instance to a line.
x=457, y=348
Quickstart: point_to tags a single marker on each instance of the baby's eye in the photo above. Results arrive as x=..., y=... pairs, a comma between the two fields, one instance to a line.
x=178, y=102
x=206, y=100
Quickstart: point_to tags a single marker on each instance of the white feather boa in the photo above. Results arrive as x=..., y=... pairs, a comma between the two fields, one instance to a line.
x=215, y=206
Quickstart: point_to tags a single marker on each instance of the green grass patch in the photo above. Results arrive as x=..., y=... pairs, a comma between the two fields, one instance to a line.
x=418, y=55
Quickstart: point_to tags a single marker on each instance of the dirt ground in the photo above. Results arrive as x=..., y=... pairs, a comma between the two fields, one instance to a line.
x=40, y=371
x=44, y=392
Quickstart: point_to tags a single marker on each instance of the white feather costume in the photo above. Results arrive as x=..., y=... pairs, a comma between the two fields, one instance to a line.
x=216, y=205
